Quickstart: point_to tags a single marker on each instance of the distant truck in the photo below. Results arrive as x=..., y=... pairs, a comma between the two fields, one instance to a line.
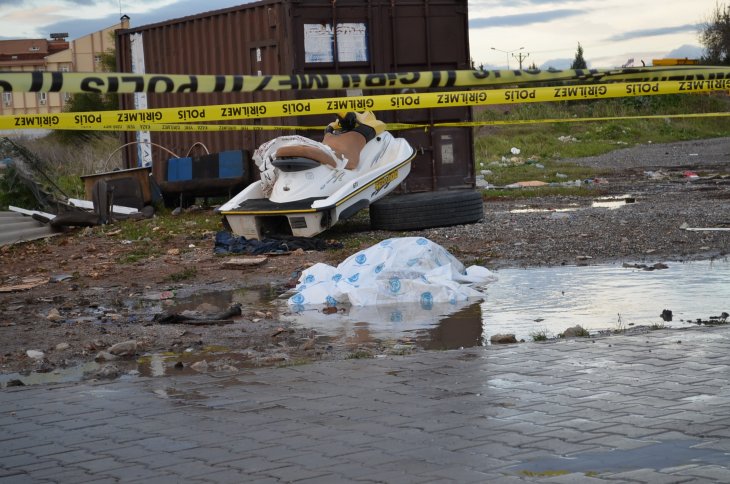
x=675, y=62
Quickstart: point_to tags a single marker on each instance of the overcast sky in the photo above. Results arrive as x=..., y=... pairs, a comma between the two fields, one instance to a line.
x=611, y=33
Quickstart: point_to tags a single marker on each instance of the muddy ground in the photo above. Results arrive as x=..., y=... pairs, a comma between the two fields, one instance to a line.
x=101, y=302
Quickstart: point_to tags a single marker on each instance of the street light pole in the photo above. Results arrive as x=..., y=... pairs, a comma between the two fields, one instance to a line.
x=508, y=52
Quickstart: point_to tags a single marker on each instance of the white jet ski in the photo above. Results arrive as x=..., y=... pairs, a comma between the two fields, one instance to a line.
x=307, y=186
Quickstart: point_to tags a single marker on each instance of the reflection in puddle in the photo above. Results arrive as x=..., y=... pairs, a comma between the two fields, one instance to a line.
x=544, y=210
x=603, y=297
x=210, y=301
x=61, y=375
x=654, y=455
x=439, y=326
x=610, y=203
x=548, y=300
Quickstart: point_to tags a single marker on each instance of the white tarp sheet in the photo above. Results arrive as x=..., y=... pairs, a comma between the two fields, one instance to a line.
x=398, y=270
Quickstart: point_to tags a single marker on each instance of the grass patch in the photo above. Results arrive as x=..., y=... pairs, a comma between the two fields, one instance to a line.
x=518, y=193
x=657, y=326
x=165, y=226
x=548, y=144
x=187, y=273
x=138, y=253
x=543, y=473
x=541, y=335
x=359, y=355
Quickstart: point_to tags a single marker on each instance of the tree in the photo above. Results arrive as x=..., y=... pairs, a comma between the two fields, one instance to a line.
x=91, y=102
x=579, y=62
x=715, y=36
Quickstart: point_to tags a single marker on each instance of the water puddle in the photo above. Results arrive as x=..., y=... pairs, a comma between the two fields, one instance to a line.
x=189, y=299
x=604, y=297
x=656, y=455
x=186, y=301
x=210, y=359
x=536, y=302
x=528, y=303
x=610, y=203
x=440, y=326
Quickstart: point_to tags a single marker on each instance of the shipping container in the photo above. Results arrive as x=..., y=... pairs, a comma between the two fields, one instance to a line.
x=307, y=37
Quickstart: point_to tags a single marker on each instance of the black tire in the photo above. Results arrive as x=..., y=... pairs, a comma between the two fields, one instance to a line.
x=426, y=210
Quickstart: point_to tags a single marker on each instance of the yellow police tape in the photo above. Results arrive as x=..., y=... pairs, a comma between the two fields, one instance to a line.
x=144, y=119
x=180, y=127
x=106, y=82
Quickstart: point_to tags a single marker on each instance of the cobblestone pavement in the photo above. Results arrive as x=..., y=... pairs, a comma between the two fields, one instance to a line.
x=645, y=408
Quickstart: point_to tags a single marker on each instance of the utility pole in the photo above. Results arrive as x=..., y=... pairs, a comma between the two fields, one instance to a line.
x=520, y=57
x=508, y=52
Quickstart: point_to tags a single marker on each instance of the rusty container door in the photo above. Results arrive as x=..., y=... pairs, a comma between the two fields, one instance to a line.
x=376, y=36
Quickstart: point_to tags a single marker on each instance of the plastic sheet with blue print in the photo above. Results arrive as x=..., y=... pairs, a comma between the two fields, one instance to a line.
x=394, y=271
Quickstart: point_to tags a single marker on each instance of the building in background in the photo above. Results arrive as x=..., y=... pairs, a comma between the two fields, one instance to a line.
x=55, y=54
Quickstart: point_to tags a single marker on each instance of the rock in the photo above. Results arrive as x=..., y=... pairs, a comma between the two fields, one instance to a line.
x=35, y=354
x=502, y=339
x=15, y=383
x=125, y=348
x=44, y=366
x=245, y=261
x=575, y=331
x=54, y=315
x=666, y=315
x=105, y=356
x=200, y=366
x=173, y=251
x=108, y=372
x=307, y=345
x=62, y=346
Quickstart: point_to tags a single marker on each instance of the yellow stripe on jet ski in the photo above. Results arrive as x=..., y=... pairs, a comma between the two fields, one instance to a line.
x=381, y=177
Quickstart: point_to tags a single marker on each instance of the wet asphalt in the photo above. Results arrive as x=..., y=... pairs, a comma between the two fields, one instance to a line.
x=650, y=408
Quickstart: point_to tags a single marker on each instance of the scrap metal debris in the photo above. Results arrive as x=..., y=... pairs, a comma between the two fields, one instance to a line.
x=206, y=319
x=24, y=284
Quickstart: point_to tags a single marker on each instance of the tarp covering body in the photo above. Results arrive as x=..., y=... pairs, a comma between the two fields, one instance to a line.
x=398, y=270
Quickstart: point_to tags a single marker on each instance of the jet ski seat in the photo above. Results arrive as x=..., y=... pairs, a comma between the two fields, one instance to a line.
x=346, y=137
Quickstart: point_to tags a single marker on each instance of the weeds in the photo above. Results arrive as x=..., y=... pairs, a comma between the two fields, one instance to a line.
x=550, y=143
x=187, y=273
x=541, y=335
x=140, y=252
x=620, y=325
x=542, y=192
x=656, y=326
x=359, y=355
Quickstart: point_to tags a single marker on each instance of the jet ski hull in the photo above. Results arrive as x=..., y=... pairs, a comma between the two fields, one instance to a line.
x=254, y=216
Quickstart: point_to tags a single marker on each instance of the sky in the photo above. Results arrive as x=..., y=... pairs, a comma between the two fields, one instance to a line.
x=546, y=32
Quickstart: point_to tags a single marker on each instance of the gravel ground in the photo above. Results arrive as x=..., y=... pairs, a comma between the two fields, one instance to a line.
x=570, y=230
